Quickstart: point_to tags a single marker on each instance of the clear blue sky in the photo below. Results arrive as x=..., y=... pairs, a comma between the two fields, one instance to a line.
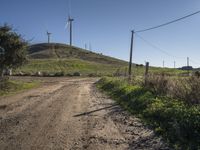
x=106, y=24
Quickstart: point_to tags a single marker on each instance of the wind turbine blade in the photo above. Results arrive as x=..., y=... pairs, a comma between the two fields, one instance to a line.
x=67, y=25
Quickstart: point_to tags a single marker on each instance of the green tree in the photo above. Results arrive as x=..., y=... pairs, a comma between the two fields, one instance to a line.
x=13, y=49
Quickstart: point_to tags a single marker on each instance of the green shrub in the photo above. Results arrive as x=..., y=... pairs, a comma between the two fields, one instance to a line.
x=69, y=75
x=59, y=74
x=76, y=74
x=45, y=74
x=178, y=122
x=3, y=83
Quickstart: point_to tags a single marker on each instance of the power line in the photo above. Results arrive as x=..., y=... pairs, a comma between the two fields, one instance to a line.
x=157, y=48
x=163, y=51
x=167, y=23
x=194, y=62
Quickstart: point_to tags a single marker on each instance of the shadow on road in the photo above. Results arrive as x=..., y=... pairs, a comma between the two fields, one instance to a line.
x=90, y=112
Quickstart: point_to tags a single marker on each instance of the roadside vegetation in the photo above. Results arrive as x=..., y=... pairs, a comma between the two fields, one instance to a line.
x=69, y=66
x=9, y=87
x=13, y=49
x=13, y=54
x=66, y=67
x=55, y=59
x=168, y=104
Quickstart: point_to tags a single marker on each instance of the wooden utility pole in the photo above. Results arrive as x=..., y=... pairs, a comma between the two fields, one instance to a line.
x=188, y=64
x=174, y=64
x=146, y=73
x=131, y=53
x=2, y=53
x=188, y=61
x=163, y=63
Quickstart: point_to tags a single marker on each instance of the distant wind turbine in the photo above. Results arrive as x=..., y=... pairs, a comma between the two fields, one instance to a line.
x=69, y=25
x=90, y=46
x=48, y=35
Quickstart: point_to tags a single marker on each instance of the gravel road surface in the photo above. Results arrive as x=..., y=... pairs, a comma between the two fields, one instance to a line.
x=70, y=114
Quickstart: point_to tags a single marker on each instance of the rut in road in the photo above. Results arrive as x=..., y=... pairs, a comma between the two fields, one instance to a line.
x=70, y=114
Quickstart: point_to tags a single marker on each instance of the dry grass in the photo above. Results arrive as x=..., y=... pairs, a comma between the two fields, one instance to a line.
x=174, y=119
x=186, y=89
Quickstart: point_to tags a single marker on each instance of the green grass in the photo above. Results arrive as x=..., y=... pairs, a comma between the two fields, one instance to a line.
x=63, y=51
x=55, y=57
x=158, y=70
x=11, y=87
x=176, y=121
x=67, y=66
x=72, y=65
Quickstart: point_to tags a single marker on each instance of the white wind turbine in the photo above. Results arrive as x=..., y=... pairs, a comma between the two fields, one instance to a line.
x=49, y=36
x=69, y=25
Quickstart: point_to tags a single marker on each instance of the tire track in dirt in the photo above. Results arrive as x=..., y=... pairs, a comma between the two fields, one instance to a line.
x=70, y=114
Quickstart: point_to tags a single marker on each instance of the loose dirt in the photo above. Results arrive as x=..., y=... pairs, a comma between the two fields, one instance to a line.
x=70, y=114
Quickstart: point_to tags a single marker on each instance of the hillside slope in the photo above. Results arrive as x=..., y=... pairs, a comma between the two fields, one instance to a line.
x=55, y=58
x=62, y=51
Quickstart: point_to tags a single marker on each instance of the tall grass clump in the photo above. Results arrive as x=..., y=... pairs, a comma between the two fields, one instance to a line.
x=176, y=120
x=185, y=89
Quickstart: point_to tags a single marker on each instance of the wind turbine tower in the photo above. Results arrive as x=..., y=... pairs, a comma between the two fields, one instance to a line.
x=69, y=23
x=49, y=36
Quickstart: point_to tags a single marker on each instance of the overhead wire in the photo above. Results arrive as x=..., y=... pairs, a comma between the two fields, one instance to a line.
x=156, y=47
x=162, y=25
x=194, y=62
x=167, y=23
x=161, y=50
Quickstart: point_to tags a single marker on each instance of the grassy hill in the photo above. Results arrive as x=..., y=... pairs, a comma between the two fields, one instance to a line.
x=62, y=51
x=56, y=58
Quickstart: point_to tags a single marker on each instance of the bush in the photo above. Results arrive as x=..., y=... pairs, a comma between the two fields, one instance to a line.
x=45, y=74
x=178, y=122
x=59, y=74
x=69, y=75
x=185, y=89
x=158, y=84
x=23, y=74
x=77, y=74
x=188, y=90
x=12, y=86
x=197, y=74
x=3, y=82
x=38, y=74
x=94, y=75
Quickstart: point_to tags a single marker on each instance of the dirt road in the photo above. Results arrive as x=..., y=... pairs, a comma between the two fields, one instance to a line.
x=70, y=114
